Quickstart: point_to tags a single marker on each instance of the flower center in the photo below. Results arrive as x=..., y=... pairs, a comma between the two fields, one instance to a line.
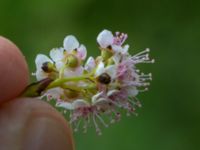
x=72, y=61
x=104, y=78
x=106, y=54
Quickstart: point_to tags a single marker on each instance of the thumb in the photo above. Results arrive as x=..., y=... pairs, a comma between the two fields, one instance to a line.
x=30, y=124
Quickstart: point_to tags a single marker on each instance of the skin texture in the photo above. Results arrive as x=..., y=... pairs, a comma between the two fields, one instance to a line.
x=13, y=70
x=26, y=123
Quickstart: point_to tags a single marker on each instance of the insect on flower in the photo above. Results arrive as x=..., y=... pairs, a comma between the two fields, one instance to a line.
x=90, y=93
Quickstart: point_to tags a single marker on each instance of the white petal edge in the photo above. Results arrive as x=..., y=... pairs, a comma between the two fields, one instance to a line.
x=70, y=43
x=79, y=103
x=56, y=54
x=40, y=59
x=111, y=92
x=117, y=57
x=76, y=72
x=90, y=64
x=125, y=49
x=100, y=69
x=111, y=71
x=55, y=93
x=40, y=74
x=105, y=38
x=100, y=101
x=65, y=105
x=96, y=97
x=132, y=91
x=117, y=48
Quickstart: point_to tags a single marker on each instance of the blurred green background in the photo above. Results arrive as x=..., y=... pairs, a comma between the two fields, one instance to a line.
x=170, y=116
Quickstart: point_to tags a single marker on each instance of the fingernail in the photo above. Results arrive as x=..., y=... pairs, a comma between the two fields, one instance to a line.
x=47, y=133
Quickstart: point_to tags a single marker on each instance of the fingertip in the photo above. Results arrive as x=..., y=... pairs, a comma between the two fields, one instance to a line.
x=13, y=70
x=33, y=124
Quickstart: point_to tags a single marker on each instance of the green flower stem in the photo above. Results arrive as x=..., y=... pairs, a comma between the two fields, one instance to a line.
x=70, y=87
x=60, y=81
x=79, y=89
x=61, y=73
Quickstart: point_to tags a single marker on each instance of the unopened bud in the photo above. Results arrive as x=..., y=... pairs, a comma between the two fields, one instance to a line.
x=104, y=78
x=48, y=67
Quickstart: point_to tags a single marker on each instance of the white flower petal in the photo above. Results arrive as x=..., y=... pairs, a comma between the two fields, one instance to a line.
x=65, y=105
x=90, y=64
x=59, y=64
x=55, y=93
x=96, y=97
x=75, y=72
x=100, y=69
x=56, y=54
x=70, y=43
x=111, y=92
x=79, y=103
x=82, y=52
x=105, y=38
x=117, y=57
x=132, y=91
x=111, y=71
x=100, y=101
x=40, y=74
x=117, y=48
x=79, y=71
x=125, y=49
x=40, y=59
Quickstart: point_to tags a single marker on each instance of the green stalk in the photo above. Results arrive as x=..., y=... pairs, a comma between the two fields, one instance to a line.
x=59, y=82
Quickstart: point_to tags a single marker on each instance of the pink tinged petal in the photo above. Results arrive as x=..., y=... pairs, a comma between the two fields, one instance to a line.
x=57, y=54
x=65, y=105
x=111, y=71
x=80, y=103
x=55, y=93
x=75, y=72
x=70, y=43
x=105, y=38
x=79, y=70
x=100, y=69
x=90, y=64
x=82, y=52
x=40, y=59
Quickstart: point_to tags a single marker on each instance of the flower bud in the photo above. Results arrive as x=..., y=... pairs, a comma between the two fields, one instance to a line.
x=72, y=61
x=104, y=78
x=48, y=67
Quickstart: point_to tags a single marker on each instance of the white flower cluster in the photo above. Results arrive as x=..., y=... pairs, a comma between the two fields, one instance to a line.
x=100, y=86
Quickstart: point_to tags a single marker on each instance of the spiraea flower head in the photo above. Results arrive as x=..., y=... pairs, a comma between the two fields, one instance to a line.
x=92, y=93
